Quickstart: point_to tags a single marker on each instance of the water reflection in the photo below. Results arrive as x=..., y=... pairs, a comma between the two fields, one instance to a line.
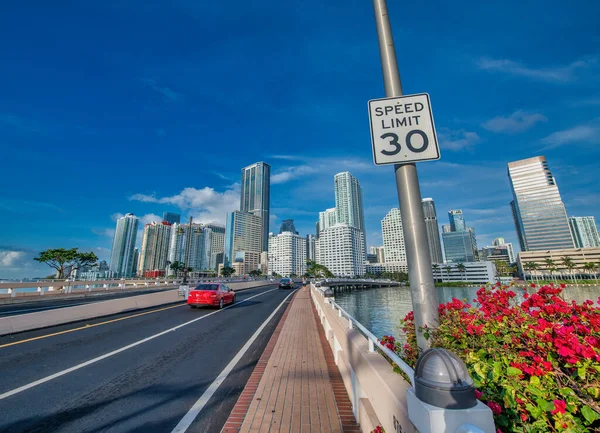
x=381, y=310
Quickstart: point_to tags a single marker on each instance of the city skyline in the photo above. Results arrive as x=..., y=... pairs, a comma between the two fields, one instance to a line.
x=500, y=100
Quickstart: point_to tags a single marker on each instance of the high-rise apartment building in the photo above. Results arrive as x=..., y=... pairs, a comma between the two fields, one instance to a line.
x=311, y=247
x=349, y=203
x=255, y=197
x=288, y=226
x=380, y=251
x=327, y=218
x=200, y=238
x=433, y=231
x=585, y=232
x=243, y=240
x=538, y=210
x=393, y=237
x=287, y=254
x=341, y=250
x=217, y=244
x=122, y=256
x=155, y=247
x=171, y=217
x=460, y=244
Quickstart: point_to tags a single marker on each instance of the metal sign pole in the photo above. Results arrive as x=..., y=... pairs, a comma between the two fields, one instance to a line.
x=424, y=297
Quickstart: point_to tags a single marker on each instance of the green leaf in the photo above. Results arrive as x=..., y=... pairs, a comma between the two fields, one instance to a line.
x=581, y=372
x=479, y=370
x=512, y=371
x=589, y=414
x=497, y=370
x=535, y=381
x=544, y=405
x=566, y=391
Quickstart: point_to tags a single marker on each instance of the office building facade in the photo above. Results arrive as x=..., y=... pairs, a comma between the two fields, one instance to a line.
x=288, y=226
x=171, y=217
x=311, y=247
x=256, y=196
x=327, y=218
x=393, y=237
x=349, y=203
x=585, y=232
x=341, y=250
x=287, y=254
x=217, y=245
x=199, y=238
x=538, y=211
x=155, y=248
x=433, y=231
x=243, y=240
x=122, y=256
x=460, y=244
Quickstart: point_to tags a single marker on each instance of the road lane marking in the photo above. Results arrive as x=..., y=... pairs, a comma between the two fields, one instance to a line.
x=88, y=326
x=122, y=349
x=189, y=417
x=81, y=328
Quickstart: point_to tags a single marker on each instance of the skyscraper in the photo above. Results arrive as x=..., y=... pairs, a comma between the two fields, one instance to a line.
x=155, y=247
x=433, y=231
x=171, y=217
x=199, y=248
x=288, y=226
x=393, y=237
x=243, y=235
x=122, y=255
x=340, y=249
x=460, y=244
x=287, y=254
x=349, y=203
x=538, y=210
x=255, y=197
x=311, y=247
x=327, y=218
x=217, y=245
x=585, y=231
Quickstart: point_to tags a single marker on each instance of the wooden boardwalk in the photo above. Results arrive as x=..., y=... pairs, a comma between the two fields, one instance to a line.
x=295, y=393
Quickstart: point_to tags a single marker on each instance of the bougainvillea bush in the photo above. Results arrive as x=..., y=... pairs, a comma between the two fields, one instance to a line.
x=535, y=363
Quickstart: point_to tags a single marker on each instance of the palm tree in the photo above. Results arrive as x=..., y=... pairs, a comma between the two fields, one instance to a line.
x=568, y=263
x=176, y=266
x=550, y=264
x=448, y=269
x=591, y=267
x=461, y=268
x=530, y=266
x=435, y=268
x=552, y=269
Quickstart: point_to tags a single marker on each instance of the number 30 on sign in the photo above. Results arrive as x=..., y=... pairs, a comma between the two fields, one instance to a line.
x=402, y=130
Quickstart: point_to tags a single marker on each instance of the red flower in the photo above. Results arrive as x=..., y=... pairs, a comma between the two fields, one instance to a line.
x=559, y=407
x=478, y=394
x=524, y=417
x=496, y=408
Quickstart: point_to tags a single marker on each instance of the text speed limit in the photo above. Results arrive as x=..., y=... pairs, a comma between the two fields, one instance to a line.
x=402, y=130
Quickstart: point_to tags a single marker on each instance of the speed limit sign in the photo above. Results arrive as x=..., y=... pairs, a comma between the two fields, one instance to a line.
x=402, y=130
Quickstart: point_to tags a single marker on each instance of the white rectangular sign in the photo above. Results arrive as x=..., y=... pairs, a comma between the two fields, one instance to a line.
x=402, y=130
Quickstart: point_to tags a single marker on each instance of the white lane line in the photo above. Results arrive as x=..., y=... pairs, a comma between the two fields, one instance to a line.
x=189, y=417
x=114, y=352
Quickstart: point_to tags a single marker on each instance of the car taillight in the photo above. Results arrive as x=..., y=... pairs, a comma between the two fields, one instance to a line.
x=213, y=296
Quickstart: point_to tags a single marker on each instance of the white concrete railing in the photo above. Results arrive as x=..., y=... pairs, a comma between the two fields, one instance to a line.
x=380, y=396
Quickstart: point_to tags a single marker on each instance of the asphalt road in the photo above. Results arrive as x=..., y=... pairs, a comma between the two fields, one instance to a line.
x=135, y=372
x=51, y=304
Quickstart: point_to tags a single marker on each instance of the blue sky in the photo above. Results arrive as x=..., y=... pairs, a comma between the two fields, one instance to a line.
x=146, y=106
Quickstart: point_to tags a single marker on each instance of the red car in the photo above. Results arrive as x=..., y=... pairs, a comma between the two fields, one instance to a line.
x=213, y=294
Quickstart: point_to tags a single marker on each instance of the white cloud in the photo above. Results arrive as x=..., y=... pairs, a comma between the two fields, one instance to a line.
x=11, y=259
x=206, y=205
x=313, y=166
x=578, y=134
x=148, y=218
x=110, y=233
x=116, y=216
x=458, y=139
x=556, y=74
x=291, y=173
x=519, y=121
x=167, y=93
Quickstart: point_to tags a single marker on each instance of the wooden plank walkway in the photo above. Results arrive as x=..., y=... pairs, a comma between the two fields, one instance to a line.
x=295, y=393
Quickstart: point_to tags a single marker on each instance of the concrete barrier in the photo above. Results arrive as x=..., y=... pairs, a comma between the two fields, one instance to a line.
x=60, y=316
x=377, y=393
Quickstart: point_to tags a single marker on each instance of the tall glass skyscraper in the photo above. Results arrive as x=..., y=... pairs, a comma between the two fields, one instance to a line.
x=538, y=210
x=433, y=231
x=288, y=226
x=242, y=235
x=460, y=244
x=393, y=237
x=122, y=256
x=585, y=232
x=349, y=203
x=171, y=217
x=155, y=247
x=256, y=193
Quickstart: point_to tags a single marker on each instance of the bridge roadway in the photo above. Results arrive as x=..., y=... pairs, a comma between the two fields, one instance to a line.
x=140, y=371
x=52, y=304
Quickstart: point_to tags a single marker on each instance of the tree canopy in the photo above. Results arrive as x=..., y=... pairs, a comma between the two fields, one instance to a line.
x=65, y=261
x=227, y=271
